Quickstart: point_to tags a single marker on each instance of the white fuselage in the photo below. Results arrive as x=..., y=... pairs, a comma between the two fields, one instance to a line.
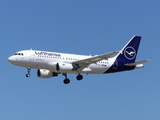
x=50, y=64
x=47, y=60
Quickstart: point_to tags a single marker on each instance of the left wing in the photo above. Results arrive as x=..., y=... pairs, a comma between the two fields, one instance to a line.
x=81, y=64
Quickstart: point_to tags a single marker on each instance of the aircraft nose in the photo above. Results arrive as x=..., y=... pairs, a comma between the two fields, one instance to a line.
x=11, y=59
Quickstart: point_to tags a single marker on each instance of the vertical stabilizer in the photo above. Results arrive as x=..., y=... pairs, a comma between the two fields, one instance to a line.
x=129, y=52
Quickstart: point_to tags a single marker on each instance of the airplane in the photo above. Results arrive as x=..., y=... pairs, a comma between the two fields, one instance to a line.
x=51, y=64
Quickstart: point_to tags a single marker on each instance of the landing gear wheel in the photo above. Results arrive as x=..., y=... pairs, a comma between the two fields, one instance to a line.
x=29, y=70
x=66, y=81
x=79, y=77
x=27, y=75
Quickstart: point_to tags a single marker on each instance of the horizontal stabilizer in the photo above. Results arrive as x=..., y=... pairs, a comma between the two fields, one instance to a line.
x=137, y=63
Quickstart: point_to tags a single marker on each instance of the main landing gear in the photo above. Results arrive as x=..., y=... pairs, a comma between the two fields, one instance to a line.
x=79, y=77
x=29, y=70
x=67, y=81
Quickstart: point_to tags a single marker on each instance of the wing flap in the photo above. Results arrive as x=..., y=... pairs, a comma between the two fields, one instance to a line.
x=137, y=63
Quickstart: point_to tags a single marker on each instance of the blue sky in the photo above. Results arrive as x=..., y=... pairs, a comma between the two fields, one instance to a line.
x=79, y=27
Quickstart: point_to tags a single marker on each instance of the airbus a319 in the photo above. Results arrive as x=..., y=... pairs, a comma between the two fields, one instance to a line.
x=51, y=64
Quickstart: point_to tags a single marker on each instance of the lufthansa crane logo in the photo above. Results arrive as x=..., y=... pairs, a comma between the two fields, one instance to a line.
x=130, y=53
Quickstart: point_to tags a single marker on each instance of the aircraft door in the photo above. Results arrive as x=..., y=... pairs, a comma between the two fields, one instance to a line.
x=31, y=56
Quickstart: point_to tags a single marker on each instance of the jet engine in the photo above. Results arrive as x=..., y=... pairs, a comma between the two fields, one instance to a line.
x=43, y=73
x=64, y=67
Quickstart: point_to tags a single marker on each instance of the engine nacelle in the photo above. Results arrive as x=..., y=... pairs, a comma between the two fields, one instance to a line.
x=43, y=73
x=60, y=67
x=64, y=67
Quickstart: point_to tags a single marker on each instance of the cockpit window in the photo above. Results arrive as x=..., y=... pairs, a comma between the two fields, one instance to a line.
x=19, y=54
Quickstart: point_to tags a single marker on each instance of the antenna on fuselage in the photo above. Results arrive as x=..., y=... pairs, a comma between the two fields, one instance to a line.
x=31, y=49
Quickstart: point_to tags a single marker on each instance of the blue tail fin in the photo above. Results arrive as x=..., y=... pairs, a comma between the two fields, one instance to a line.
x=129, y=52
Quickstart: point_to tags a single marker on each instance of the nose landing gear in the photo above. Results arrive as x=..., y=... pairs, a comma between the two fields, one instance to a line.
x=29, y=70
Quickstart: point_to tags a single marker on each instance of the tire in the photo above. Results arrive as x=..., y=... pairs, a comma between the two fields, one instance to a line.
x=79, y=77
x=27, y=75
x=66, y=81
